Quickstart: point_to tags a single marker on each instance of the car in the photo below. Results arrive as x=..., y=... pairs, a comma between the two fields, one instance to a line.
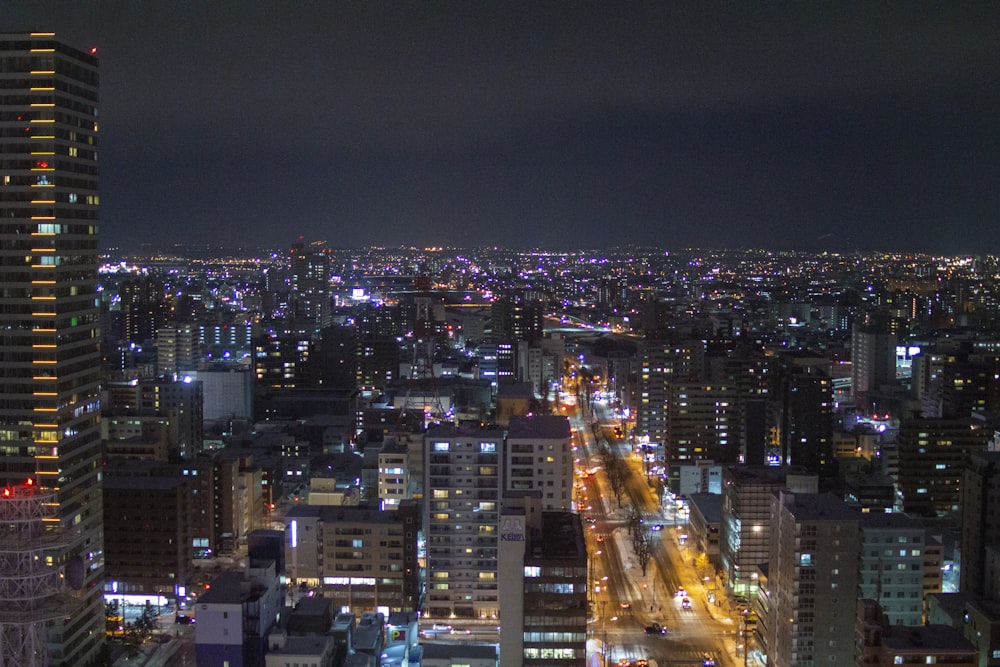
x=655, y=629
x=590, y=519
x=626, y=605
x=624, y=662
x=600, y=538
x=681, y=592
x=686, y=603
x=437, y=630
x=656, y=527
x=708, y=661
x=642, y=662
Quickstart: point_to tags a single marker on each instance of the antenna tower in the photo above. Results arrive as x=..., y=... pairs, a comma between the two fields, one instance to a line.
x=31, y=591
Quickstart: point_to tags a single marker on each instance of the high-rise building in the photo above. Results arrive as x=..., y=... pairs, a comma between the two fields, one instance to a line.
x=178, y=348
x=812, y=581
x=311, y=285
x=462, y=477
x=933, y=455
x=516, y=320
x=538, y=457
x=143, y=308
x=181, y=403
x=543, y=589
x=661, y=362
x=980, y=522
x=744, y=535
x=873, y=361
x=892, y=569
x=49, y=341
x=803, y=406
x=703, y=423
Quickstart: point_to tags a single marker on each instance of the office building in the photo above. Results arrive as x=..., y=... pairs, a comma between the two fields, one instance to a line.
x=227, y=391
x=880, y=644
x=812, y=581
x=50, y=336
x=543, y=589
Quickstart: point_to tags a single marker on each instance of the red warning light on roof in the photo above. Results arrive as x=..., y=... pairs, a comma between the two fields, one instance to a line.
x=93, y=50
x=6, y=492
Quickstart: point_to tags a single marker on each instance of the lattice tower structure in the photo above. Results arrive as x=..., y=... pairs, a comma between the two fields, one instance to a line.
x=32, y=588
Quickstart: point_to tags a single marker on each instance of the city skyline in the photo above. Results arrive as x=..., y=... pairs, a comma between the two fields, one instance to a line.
x=555, y=125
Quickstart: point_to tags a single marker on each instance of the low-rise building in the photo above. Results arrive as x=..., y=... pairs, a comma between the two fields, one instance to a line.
x=360, y=557
x=235, y=615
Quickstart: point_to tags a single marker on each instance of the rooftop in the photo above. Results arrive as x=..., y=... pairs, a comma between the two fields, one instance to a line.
x=927, y=638
x=539, y=426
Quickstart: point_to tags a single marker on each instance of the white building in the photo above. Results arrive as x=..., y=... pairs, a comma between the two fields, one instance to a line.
x=538, y=457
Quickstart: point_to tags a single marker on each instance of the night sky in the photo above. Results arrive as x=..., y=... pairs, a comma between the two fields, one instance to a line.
x=808, y=125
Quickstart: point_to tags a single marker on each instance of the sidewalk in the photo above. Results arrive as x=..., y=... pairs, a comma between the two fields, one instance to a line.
x=151, y=655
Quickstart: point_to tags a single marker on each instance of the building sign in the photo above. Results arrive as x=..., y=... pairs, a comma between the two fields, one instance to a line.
x=512, y=529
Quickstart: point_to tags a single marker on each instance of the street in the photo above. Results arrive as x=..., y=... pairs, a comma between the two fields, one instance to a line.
x=625, y=600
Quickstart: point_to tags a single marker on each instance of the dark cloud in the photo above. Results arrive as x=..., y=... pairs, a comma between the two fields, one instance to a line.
x=545, y=123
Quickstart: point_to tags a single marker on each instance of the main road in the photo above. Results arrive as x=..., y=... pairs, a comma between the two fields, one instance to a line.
x=626, y=600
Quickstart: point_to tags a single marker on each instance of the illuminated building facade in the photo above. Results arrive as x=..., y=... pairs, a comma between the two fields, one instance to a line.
x=661, y=362
x=49, y=324
x=462, y=476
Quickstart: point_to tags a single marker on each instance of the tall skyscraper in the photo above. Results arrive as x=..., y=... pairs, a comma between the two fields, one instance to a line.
x=49, y=351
